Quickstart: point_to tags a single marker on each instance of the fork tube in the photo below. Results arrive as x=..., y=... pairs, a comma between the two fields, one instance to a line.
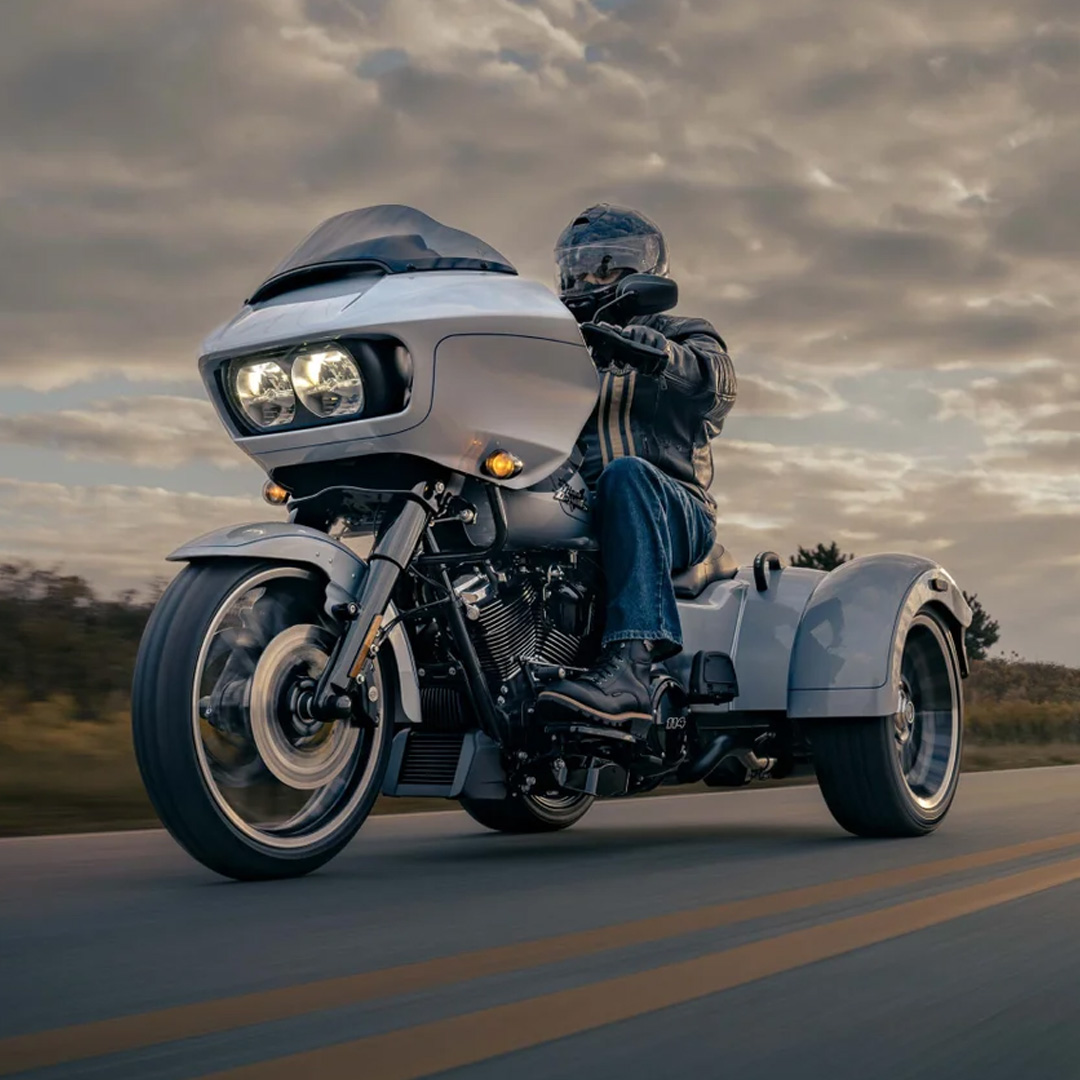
x=476, y=682
x=388, y=560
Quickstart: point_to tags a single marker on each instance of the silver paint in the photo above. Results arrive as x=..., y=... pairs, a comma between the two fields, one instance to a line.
x=847, y=655
x=756, y=629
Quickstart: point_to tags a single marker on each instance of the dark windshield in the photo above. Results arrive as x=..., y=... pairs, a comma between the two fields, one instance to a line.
x=393, y=239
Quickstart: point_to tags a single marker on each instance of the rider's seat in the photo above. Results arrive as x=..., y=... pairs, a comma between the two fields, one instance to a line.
x=718, y=565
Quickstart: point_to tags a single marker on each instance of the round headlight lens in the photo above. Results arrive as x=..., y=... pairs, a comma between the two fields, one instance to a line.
x=328, y=382
x=265, y=393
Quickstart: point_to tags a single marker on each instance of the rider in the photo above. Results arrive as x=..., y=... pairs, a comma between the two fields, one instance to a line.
x=646, y=456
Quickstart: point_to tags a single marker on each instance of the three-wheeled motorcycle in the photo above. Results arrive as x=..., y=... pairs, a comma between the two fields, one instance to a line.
x=416, y=404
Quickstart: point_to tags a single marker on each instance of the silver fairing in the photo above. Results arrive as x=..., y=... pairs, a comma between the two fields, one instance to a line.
x=498, y=363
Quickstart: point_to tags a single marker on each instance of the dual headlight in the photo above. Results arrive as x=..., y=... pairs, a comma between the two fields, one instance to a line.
x=324, y=380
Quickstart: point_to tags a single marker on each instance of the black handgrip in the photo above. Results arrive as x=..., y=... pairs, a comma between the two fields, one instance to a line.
x=765, y=559
x=599, y=333
x=607, y=344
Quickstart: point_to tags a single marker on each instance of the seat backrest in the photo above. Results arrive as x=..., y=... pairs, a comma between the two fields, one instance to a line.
x=718, y=565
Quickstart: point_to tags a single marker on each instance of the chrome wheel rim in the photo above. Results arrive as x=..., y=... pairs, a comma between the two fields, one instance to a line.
x=926, y=727
x=279, y=777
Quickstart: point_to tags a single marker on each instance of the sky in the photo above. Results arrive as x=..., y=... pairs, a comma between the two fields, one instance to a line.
x=877, y=202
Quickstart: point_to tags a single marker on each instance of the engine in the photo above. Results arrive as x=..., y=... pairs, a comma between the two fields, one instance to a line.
x=526, y=611
x=541, y=615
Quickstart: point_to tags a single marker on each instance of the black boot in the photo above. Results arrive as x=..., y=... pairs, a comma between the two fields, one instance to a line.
x=614, y=691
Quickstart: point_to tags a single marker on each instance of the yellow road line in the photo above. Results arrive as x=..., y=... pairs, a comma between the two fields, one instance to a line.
x=465, y=1040
x=74, y=1043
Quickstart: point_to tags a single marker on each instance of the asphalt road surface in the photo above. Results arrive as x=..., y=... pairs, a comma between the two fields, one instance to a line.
x=731, y=934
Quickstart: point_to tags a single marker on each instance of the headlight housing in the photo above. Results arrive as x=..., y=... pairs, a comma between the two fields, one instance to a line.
x=265, y=393
x=312, y=384
x=327, y=381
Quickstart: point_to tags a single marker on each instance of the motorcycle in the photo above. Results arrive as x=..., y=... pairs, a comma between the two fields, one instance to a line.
x=416, y=405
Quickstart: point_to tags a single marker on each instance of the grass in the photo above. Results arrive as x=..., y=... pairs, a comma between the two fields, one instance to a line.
x=62, y=774
x=981, y=758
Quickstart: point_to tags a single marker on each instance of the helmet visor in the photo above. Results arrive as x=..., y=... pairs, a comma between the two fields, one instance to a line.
x=583, y=268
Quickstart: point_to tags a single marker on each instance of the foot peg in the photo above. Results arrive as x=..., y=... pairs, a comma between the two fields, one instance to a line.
x=592, y=731
x=713, y=679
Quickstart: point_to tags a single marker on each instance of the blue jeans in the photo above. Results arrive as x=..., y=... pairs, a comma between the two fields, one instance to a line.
x=648, y=525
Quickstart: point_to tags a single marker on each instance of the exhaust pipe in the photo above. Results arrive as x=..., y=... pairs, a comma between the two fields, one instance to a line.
x=715, y=752
x=739, y=768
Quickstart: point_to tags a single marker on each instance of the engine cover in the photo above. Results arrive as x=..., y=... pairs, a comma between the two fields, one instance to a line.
x=541, y=617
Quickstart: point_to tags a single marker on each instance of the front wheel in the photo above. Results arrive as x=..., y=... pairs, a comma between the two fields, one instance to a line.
x=519, y=813
x=237, y=769
x=897, y=775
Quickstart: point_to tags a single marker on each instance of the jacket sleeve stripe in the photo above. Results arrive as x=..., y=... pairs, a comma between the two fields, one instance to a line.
x=614, y=416
x=601, y=413
x=625, y=426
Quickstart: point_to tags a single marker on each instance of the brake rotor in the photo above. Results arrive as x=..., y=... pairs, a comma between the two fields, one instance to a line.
x=301, y=752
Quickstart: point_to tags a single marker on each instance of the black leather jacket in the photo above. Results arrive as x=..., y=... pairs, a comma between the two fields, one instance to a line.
x=668, y=418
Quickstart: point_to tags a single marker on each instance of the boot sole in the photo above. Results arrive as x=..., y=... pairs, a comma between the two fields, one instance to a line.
x=584, y=710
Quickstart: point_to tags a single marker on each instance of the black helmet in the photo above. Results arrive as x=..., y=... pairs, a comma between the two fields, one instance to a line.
x=600, y=246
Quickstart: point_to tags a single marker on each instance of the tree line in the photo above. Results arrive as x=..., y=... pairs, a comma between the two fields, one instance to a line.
x=59, y=637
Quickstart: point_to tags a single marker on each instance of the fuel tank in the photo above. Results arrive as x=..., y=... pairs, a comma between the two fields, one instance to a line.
x=553, y=513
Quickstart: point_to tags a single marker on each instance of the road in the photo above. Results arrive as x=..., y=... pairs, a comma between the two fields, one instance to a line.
x=687, y=936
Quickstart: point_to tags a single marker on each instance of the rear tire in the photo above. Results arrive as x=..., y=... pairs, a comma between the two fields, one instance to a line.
x=527, y=813
x=895, y=776
x=228, y=649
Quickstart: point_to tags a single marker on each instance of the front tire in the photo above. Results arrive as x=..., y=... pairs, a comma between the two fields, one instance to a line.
x=528, y=813
x=894, y=776
x=239, y=774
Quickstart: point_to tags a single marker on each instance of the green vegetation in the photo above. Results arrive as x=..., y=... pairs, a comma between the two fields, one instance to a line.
x=59, y=773
x=820, y=557
x=983, y=632
x=66, y=658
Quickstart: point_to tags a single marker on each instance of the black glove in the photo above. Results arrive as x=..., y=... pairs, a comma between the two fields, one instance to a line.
x=638, y=347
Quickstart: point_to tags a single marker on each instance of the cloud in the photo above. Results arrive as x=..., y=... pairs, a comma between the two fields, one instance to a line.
x=867, y=195
x=155, y=168
x=118, y=536
x=156, y=430
x=794, y=400
x=1008, y=533
x=1030, y=417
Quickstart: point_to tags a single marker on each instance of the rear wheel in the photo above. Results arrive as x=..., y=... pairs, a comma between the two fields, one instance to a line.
x=237, y=769
x=528, y=813
x=897, y=775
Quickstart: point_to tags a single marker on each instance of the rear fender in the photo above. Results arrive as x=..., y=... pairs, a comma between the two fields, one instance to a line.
x=343, y=569
x=848, y=649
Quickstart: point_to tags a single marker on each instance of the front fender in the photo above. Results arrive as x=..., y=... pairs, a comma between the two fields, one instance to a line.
x=848, y=649
x=282, y=541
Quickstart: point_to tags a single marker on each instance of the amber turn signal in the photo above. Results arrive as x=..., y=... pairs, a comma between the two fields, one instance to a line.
x=274, y=494
x=502, y=465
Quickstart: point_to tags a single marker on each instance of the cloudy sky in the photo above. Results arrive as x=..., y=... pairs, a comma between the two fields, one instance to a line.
x=876, y=201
